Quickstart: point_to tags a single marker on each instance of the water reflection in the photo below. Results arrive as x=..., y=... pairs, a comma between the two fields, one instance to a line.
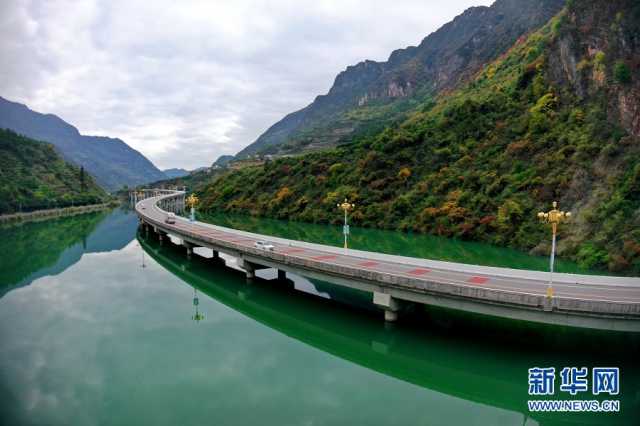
x=49, y=247
x=483, y=364
x=197, y=316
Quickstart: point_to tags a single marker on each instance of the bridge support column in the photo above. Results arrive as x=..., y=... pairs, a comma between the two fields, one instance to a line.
x=189, y=248
x=250, y=270
x=390, y=305
x=161, y=237
x=215, y=258
x=282, y=275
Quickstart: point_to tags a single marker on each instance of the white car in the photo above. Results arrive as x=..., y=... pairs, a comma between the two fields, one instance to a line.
x=263, y=245
x=171, y=218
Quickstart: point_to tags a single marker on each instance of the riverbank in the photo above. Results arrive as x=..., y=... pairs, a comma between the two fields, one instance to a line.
x=57, y=212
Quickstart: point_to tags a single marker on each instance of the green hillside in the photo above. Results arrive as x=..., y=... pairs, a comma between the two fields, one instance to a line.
x=34, y=176
x=547, y=121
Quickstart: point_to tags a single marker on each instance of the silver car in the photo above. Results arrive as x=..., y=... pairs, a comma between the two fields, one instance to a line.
x=263, y=245
x=171, y=218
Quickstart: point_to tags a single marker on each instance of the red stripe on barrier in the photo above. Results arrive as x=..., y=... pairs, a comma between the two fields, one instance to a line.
x=478, y=280
x=419, y=271
x=368, y=264
x=325, y=257
x=294, y=250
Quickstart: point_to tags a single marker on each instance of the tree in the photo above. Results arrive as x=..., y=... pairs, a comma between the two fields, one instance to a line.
x=621, y=72
x=83, y=185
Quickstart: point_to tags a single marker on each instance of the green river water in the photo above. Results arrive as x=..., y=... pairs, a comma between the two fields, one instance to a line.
x=99, y=326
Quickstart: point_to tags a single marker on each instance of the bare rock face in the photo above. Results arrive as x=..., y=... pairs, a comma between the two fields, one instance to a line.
x=599, y=53
x=444, y=59
x=628, y=106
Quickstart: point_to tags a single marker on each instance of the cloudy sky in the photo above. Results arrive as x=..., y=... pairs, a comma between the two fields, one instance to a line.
x=184, y=82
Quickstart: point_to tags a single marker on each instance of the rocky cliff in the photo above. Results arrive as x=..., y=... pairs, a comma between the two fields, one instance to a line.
x=367, y=96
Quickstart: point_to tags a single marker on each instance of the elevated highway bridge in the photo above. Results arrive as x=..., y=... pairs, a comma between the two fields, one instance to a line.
x=599, y=302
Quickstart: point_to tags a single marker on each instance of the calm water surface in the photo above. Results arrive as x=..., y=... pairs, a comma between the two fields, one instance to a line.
x=99, y=327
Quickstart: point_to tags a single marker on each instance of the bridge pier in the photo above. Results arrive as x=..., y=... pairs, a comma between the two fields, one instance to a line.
x=189, y=248
x=250, y=271
x=161, y=237
x=215, y=258
x=390, y=305
x=250, y=268
x=282, y=275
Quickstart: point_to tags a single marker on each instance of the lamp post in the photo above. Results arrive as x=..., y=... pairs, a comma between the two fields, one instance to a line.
x=345, y=206
x=197, y=316
x=192, y=200
x=554, y=217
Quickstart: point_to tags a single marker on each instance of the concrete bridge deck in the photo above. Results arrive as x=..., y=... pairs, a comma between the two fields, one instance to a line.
x=611, y=303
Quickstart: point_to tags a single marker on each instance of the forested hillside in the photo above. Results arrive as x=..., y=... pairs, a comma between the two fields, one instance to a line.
x=111, y=161
x=34, y=176
x=556, y=117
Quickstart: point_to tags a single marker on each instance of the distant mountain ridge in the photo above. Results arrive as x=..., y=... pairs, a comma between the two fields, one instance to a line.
x=111, y=161
x=367, y=96
x=175, y=173
x=222, y=161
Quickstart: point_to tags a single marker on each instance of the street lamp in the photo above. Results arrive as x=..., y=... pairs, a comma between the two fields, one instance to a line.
x=554, y=217
x=346, y=206
x=192, y=200
x=197, y=316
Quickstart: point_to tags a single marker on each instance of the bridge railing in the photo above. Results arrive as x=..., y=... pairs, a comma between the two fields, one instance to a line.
x=169, y=200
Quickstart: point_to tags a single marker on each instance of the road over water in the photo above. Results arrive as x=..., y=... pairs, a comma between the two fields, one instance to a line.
x=579, y=300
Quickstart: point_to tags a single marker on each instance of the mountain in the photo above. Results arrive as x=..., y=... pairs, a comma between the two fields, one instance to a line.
x=222, y=161
x=111, y=161
x=34, y=176
x=174, y=173
x=370, y=95
x=199, y=169
x=555, y=118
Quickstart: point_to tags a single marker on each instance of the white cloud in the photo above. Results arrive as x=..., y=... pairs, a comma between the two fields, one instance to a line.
x=184, y=82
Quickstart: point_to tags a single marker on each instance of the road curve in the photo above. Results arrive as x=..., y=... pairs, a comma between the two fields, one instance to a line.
x=616, y=299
